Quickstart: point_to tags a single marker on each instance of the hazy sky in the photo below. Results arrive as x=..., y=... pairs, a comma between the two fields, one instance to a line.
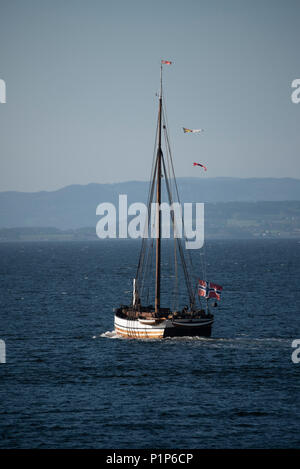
x=81, y=78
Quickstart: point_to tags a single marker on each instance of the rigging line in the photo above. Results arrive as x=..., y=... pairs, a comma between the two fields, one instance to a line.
x=203, y=249
x=141, y=273
x=167, y=132
x=185, y=270
x=195, y=278
x=169, y=153
x=144, y=263
x=178, y=242
x=202, y=253
x=175, y=293
x=150, y=195
x=175, y=304
x=150, y=268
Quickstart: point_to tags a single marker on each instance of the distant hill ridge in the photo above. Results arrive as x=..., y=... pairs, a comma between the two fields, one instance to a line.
x=74, y=206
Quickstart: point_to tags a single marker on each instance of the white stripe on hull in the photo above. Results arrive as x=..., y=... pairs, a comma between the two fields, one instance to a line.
x=134, y=333
x=133, y=328
x=136, y=329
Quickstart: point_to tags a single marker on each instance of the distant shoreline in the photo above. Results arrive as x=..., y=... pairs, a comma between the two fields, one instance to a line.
x=183, y=179
x=224, y=220
x=10, y=236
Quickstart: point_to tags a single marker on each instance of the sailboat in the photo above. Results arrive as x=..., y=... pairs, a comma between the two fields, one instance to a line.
x=141, y=319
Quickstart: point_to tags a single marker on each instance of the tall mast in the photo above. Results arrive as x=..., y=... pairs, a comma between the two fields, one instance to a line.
x=158, y=202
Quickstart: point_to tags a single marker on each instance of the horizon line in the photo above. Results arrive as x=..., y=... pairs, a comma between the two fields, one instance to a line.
x=145, y=181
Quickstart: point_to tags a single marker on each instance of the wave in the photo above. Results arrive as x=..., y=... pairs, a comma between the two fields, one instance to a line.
x=243, y=340
x=109, y=335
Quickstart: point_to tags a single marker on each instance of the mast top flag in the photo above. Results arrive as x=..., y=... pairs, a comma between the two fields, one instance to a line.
x=163, y=62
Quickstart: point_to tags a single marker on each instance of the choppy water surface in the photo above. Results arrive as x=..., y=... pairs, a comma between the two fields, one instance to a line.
x=70, y=383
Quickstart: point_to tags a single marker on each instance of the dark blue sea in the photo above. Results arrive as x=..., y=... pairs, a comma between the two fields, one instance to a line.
x=68, y=382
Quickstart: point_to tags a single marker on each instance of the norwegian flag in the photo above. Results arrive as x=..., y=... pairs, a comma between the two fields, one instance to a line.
x=209, y=289
x=215, y=290
x=202, y=287
x=166, y=62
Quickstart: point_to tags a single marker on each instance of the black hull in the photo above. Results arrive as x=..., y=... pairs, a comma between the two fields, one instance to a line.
x=203, y=331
